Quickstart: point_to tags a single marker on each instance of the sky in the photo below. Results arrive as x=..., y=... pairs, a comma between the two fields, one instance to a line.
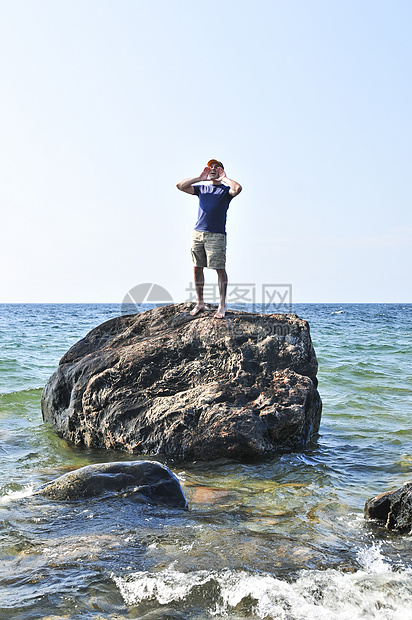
x=106, y=104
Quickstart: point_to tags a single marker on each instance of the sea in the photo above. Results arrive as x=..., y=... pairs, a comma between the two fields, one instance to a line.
x=278, y=538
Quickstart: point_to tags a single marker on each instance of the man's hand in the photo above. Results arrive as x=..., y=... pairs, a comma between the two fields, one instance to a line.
x=187, y=184
x=235, y=187
x=221, y=174
x=205, y=174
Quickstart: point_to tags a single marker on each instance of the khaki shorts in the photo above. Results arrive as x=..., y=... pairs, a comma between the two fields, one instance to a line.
x=208, y=249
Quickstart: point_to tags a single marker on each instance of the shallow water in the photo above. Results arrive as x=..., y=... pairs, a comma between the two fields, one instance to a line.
x=278, y=538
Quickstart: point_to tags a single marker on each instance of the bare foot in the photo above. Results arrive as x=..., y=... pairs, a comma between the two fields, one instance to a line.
x=220, y=314
x=198, y=309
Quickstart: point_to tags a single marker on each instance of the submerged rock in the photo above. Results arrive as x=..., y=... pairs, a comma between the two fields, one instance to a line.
x=143, y=480
x=392, y=509
x=164, y=382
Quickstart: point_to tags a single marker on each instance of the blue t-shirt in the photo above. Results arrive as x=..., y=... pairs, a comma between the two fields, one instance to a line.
x=213, y=205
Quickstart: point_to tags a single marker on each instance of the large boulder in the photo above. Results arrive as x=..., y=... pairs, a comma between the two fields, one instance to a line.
x=165, y=383
x=144, y=481
x=392, y=509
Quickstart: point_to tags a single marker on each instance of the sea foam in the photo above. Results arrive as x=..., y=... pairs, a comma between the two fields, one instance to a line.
x=13, y=496
x=374, y=592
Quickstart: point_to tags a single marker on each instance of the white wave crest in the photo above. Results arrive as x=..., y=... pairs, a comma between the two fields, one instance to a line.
x=373, y=560
x=12, y=496
x=376, y=592
x=167, y=586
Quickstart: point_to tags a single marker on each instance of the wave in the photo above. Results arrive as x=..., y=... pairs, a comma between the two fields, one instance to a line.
x=376, y=591
x=32, y=391
x=13, y=496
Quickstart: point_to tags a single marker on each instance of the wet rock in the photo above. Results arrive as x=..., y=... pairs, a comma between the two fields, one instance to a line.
x=145, y=481
x=164, y=382
x=392, y=509
x=164, y=614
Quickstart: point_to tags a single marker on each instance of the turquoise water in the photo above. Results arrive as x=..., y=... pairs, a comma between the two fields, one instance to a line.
x=279, y=538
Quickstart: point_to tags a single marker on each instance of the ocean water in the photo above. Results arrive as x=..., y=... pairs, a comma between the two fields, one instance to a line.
x=280, y=538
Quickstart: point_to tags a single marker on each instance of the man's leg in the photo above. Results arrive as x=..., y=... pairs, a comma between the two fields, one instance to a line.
x=222, y=280
x=199, y=278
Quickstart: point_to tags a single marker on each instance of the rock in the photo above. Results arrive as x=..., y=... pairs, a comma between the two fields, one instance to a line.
x=165, y=383
x=392, y=509
x=143, y=480
x=164, y=614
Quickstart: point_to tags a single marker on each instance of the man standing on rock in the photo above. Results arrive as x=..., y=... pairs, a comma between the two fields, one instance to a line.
x=209, y=236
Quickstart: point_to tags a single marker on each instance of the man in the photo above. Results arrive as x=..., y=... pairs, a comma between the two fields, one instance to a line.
x=209, y=236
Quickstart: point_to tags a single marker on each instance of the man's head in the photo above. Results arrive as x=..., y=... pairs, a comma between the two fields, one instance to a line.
x=215, y=163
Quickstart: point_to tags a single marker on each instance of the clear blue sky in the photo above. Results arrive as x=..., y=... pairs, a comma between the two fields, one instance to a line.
x=106, y=104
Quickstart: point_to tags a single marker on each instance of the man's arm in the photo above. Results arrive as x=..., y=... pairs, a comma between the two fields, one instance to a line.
x=187, y=184
x=235, y=187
